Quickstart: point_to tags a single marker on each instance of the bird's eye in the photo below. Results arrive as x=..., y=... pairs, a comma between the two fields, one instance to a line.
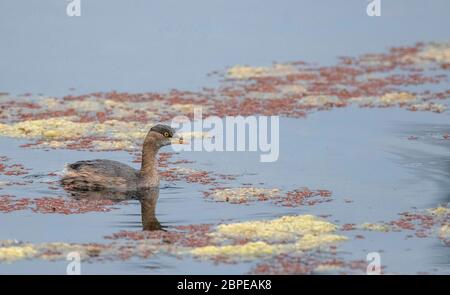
x=166, y=134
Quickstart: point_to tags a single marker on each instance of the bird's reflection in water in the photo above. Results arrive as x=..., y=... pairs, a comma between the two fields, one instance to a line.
x=148, y=198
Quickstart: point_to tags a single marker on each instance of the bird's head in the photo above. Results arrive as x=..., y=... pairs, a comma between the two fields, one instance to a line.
x=161, y=135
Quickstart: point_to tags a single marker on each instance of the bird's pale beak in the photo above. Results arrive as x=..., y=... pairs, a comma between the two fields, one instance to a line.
x=177, y=139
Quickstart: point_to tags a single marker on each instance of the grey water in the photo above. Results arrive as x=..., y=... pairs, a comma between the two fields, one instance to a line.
x=146, y=45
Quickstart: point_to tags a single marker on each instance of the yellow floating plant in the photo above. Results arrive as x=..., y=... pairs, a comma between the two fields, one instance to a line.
x=243, y=251
x=444, y=232
x=13, y=253
x=288, y=234
x=246, y=72
x=375, y=227
x=439, y=211
x=243, y=194
x=286, y=228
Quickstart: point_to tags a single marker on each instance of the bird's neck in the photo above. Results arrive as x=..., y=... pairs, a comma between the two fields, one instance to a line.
x=149, y=168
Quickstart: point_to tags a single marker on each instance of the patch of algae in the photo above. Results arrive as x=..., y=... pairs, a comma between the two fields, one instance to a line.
x=396, y=98
x=243, y=194
x=246, y=72
x=437, y=215
x=188, y=108
x=438, y=52
x=61, y=132
x=245, y=241
x=319, y=101
x=93, y=104
x=54, y=251
x=13, y=253
x=403, y=99
x=444, y=232
x=55, y=127
x=279, y=92
x=311, y=241
x=113, y=145
x=288, y=234
x=248, y=250
x=439, y=211
x=58, y=251
x=183, y=170
x=375, y=227
x=388, y=99
x=286, y=228
x=428, y=106
x=325, y=268
x=54, y=130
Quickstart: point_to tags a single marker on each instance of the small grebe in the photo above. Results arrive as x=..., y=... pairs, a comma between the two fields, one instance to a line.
x=98, y=175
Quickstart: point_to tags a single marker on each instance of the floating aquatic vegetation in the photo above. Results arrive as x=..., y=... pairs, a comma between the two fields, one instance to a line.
x=278, y=92
x=9, y=204
x=13, y=253
x=64, y=133
x=367, y=80
x=72, y=206
x=247, y=72
x=58, y=205
x=244, y=195
x=287, y=264
x=286, y=228
x=304, y=196
x=424, y=223
x=444, y=233
x=250, y=250
x=12, y=169
x=433, y=52
x=428, y=106
x=439, y=211
x=240, y=241
x=57, y=251
x=387, y=100
x=393, y=98
x=182, y=236
x=119, y=121
x=321, y=102
x=375, y=227
x=224, y=243
x=254, y=239
x=188, y=175
x=310, y=241
x=88, y=252
x=348, y=226
x=260, y=249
